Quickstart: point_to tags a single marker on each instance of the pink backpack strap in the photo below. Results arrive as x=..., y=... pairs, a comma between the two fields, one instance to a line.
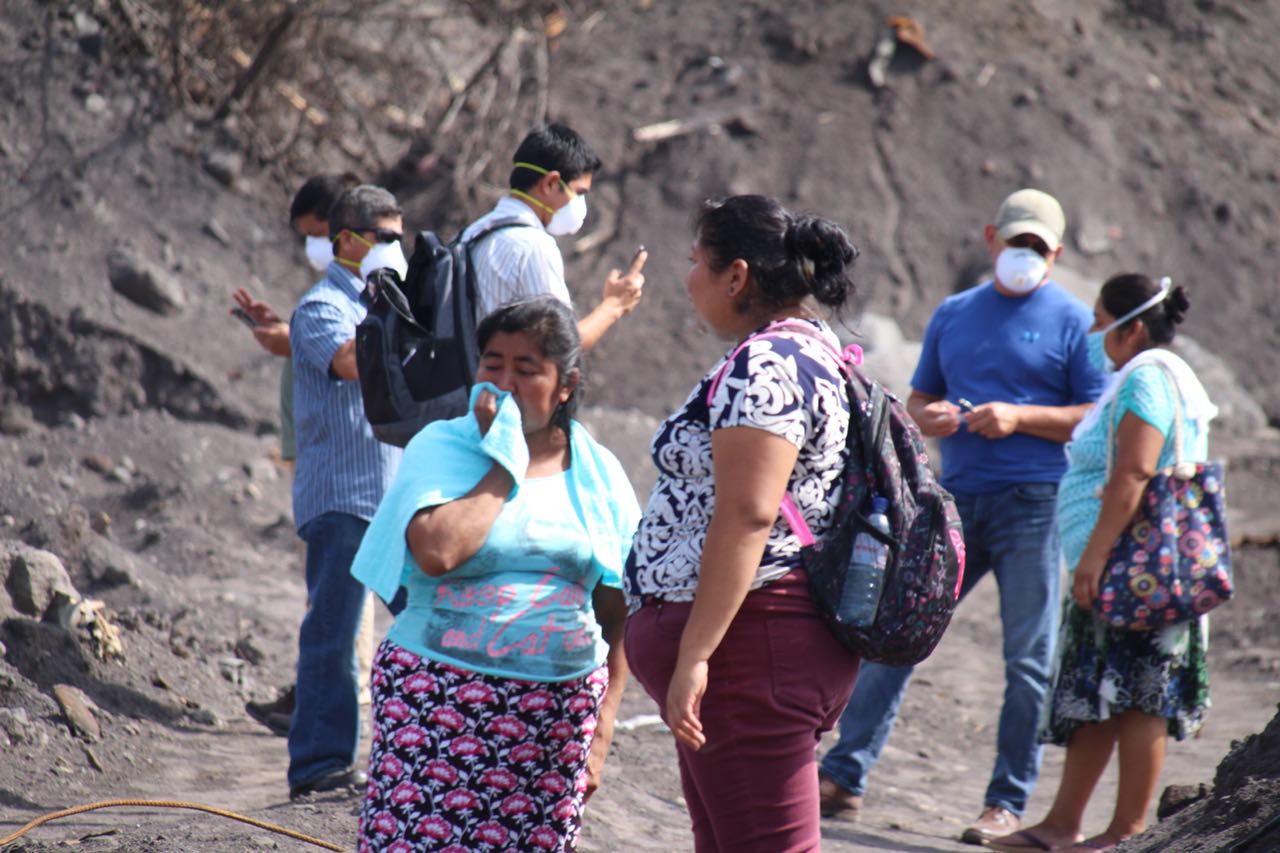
x=851, y=354
x=795, y=520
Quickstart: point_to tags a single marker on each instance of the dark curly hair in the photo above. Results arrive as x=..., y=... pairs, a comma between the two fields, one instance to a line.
x=788, y=256
x=1124, y=292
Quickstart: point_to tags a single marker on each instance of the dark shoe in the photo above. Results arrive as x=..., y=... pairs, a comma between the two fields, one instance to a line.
x=834, y=800
x=279, y=723
x=351, y=781
x=264, y=712
x=994, y=822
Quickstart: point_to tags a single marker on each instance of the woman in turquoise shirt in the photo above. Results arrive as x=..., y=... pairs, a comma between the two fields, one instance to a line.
x=1114, y=689
x=504, y=534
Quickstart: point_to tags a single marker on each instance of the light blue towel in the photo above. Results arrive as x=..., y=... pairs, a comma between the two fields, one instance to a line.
x=447, y=458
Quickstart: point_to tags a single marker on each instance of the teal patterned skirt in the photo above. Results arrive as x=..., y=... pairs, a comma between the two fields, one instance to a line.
x=1103, y=672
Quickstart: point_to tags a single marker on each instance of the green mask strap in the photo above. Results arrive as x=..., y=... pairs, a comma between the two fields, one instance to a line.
x=530, y=199
x=355, y=265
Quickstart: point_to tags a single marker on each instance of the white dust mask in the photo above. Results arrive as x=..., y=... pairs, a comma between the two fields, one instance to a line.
x=384, y=256
x=569, y=218
x=319, y=252
x=1020, y=270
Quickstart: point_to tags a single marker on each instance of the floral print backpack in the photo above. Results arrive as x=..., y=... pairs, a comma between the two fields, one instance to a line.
x=885, y=456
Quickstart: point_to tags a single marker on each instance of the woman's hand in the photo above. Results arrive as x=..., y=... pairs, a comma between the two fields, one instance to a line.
x=684, y=703
x=486, y=410
x=1088, y=577
x=596, y=755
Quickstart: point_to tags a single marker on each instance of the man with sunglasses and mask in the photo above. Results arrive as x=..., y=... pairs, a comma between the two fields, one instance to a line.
x=309, y=218
x=550, y=178
x=1004, y=376
x=342, y=472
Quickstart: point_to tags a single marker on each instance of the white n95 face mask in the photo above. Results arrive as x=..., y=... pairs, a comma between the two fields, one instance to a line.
x=319, y=252
x=568, y=219
x=1020, y=270
x=384, y=256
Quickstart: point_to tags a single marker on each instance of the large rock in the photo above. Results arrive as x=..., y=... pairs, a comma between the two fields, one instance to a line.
x=143, y=283
x=35, y=580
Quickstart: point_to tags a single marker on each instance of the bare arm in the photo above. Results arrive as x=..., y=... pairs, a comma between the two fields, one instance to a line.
x=1138, y=446
x=443, y=537
x=611, y=613
x=621, y=295
x=997, y=420
x=274, y=339
x=344, y=361
x=751, y=469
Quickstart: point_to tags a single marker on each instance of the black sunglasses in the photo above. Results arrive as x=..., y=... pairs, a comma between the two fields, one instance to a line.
x=1028, y=241
x=380, y=235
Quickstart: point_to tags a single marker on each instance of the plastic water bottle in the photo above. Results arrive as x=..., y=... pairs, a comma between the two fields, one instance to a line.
x=865, y=579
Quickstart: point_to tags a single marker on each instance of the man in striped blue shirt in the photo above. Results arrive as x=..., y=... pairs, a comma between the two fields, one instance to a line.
x=342, y=472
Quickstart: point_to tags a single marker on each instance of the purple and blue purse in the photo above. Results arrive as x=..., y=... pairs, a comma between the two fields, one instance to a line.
x=1173, y=561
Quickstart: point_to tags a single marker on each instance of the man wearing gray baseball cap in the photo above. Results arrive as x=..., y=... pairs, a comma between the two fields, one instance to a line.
x=1004, y=376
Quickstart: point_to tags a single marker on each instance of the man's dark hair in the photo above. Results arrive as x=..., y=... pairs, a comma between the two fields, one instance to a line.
x=360, y=207
x=318, y=194
x=556, y=148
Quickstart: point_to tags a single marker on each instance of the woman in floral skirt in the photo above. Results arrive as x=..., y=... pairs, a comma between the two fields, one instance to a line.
x=499, y=546
x=1116, y=689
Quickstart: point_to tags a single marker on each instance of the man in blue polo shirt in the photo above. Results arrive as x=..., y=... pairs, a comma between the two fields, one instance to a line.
x=342, y=472
x=1004, y=375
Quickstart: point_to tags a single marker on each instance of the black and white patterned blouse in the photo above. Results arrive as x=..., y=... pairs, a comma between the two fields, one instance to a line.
x=788, y=384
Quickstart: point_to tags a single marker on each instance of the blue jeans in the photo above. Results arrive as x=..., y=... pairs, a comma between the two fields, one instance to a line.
x=325, y=731
x=1011, y=533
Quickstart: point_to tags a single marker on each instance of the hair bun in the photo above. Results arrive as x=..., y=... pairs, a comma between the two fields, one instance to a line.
x=1176, y=305
x=825, y=253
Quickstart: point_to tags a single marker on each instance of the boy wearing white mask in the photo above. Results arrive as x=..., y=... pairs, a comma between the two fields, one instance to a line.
x=1004, y=375
x=309, y=218
x=550, y=178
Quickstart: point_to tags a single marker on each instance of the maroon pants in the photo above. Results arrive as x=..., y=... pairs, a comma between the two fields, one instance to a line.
x=778, y=681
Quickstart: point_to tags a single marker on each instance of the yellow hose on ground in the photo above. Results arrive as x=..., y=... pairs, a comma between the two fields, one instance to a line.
x=169, y=804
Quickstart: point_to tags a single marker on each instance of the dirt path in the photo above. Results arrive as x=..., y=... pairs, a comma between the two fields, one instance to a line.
x=929, y=782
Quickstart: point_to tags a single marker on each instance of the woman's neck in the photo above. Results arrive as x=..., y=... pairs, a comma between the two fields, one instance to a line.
x=755, y=321
x=548, y=451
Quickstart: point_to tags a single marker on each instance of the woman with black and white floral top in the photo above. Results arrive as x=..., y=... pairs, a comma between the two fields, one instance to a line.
x=722, y=632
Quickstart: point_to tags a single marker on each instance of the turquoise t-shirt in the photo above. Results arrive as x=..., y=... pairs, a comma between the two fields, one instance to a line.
x=521, y=606
x=1148, y=393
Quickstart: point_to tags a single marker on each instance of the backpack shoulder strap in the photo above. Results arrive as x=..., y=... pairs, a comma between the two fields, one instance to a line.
x=500, y=225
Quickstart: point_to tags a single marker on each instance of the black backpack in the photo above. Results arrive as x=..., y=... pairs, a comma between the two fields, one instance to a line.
x=416, y=348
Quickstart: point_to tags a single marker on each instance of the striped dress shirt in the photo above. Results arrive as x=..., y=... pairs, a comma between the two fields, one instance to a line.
x=515, y=263
x=341, y=467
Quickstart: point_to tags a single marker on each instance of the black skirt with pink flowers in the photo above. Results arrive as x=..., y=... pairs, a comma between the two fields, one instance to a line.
x=462, y=761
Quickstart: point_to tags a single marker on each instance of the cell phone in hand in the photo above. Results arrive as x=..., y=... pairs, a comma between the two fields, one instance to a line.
x=243, y=316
